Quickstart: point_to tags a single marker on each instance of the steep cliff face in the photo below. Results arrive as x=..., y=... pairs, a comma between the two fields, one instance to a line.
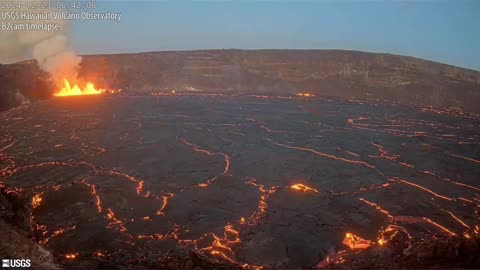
x=323, y=72
x=22, y=82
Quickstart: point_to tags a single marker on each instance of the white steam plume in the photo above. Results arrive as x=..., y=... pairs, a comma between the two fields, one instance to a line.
x=49, y=49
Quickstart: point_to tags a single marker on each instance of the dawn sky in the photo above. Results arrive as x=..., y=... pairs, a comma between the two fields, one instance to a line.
x=443, y=31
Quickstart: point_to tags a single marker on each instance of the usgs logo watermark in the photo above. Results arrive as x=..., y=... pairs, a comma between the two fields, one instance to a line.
x=6, y=263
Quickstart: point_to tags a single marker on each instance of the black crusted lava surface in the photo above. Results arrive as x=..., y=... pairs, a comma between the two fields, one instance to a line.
x=250, y=180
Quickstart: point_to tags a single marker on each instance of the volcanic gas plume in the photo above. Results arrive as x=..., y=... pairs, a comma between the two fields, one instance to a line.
x=52, y=52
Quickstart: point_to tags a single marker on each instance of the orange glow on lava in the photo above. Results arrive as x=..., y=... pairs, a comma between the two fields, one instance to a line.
x=115, y=221
x=160, y=211
x=303, y=188
x=355, y=242
x=36, y=200
x=71, y=256
x=262, y=203
x=99, y=254
x=222, y=246
x=305, y=95
x=381, y=242
x=68, y=90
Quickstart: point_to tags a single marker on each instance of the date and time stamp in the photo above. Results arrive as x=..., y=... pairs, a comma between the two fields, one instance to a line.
x=53, y=15
x=16, y=5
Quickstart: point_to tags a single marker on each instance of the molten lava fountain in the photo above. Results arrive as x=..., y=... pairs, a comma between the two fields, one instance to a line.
x=88, y=89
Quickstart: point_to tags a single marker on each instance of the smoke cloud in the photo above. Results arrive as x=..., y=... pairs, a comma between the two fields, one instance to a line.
x=50, y=49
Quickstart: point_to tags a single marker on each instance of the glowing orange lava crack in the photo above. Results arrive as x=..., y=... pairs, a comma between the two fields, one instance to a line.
x=356, y=242
x=57, y=233
x=161, y=211
x=303, y=188
x=408, y=219
x=115, y=221
x=71, y=256
x=36, y=200
x=196, y=148
x=359, y=162
x=222, y=246
x=378, y=208
x=262, y=204
x=426, y=189
x=93, y=192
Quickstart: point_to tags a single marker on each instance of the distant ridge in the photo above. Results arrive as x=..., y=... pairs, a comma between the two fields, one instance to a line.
x=339, y=73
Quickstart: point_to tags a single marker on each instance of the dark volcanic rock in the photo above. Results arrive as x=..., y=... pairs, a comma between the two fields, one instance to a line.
x=14, y=232
x=139, y=182
x=324, y=72
x=438, y=253
x=22, y=82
